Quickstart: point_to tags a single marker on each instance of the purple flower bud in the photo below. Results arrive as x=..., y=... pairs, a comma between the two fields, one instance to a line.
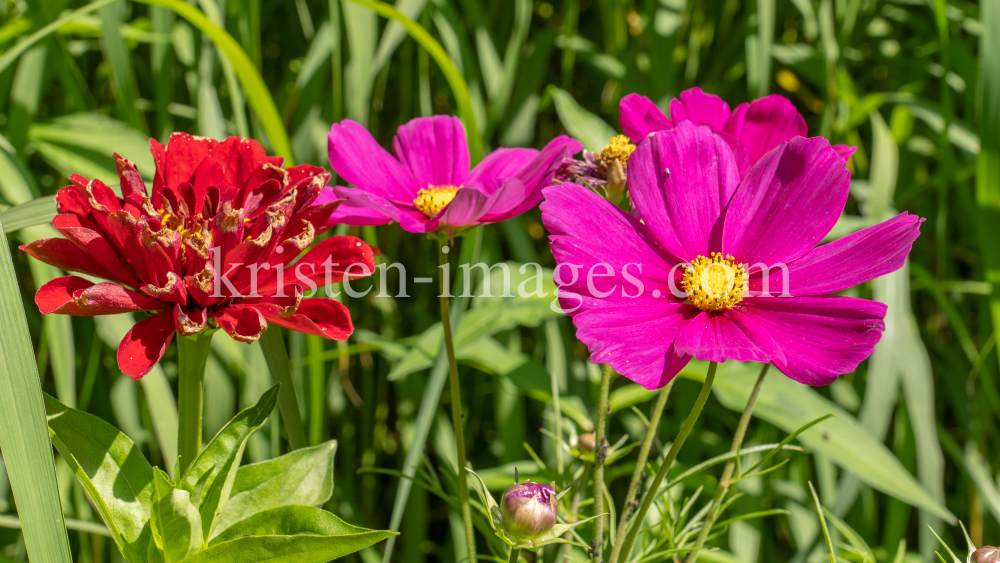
x=528, y=509
x=986, y=554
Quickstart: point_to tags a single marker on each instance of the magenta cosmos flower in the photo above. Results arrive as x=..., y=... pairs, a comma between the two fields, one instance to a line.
x=428, y=183
x=685, y=276
x=751, y=130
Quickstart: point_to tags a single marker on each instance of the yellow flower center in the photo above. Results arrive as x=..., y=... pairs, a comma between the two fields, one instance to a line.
x=433, y=199
x=714, y=283
x=618, y=150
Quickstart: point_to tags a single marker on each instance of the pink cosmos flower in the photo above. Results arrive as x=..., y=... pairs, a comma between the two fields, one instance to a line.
x=428, y=183
x=684, y=277
x=751, y=130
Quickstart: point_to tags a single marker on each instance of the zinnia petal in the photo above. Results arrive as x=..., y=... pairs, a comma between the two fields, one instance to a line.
x=145, y=344
x=434, y=150
x=787, y=203
x=72, y=295
x=820, y=338
x=244, y=324
x=680, y=181
x=318, y=316
x=639, y=116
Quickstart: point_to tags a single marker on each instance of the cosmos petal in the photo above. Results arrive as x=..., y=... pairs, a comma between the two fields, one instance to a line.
x=763, y=124
x=680, y=180
x=358, y=158
x=787, y=203
x=700, y=108
x=434, y=150
x=639, y=116
x=819, y=338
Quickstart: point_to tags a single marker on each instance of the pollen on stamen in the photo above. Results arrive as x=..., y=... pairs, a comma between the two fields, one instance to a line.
x=433, y=199
x=714, y=283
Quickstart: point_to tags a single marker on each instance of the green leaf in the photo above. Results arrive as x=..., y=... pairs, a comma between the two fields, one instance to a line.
x=69, y=144
x=111, y=469
x=210, y=478
x=175, y=521
x=582, y=125
x=789, y=405
x=289, y=534
x=29, y=214
x=303, y=477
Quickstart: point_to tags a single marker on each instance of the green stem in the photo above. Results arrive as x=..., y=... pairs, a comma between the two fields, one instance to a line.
x=727, y=473
x=456, y=406
x=514, y=553
x=652, y=493
x=640, y=464
x=600, y=451
x=276, y=357
x=192, y=353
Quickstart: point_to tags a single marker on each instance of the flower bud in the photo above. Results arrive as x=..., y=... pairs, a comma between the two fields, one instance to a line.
x=587, y=442
x=986, y=554
x=528, y=509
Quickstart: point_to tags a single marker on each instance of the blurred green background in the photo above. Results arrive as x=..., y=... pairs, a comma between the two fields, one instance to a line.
x=914, y=84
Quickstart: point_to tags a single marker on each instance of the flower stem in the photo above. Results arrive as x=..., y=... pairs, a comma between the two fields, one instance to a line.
x=727, y=473
x=654, y=487
x=600, y=451
x=514, y=553
x=640, y=464
x=192, y=353
x=456, y=409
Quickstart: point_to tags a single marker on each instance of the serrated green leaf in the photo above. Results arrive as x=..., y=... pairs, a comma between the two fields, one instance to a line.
x=210, y=477
x=303, y=477
x=111, y=469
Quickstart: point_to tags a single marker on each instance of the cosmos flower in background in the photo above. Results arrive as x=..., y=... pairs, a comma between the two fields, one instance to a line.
x=207, y=250
x=751, y=130
x=428, y=184
x=684, y=276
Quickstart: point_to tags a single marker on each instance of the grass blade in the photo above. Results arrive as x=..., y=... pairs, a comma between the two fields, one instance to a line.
x=24, y=434
x=276, y=356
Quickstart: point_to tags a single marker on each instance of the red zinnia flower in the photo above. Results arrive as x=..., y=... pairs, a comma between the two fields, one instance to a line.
x=208, y=250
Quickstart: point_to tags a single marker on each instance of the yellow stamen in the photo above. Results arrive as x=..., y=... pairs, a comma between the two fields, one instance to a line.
x=714, y=283
x=618, y=150
x=435, y=198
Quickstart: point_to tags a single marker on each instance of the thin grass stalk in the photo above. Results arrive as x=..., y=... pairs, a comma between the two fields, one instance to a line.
x=600, y=451
x=647, y=499
x=727, y=473
x=192, y=354
x=456, y=405
x=640, y=464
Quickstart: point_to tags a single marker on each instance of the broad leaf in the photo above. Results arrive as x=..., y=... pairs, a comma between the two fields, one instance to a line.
x=303, y=477
x=790, y=405
x=175, y=522
x=289, y=534
x=210, y=478
x=111, y=469
x=584, y=126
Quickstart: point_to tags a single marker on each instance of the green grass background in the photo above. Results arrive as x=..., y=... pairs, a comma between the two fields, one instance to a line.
x=914, y=84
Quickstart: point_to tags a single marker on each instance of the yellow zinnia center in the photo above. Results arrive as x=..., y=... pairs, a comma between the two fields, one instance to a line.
x=714, y=283
x=433, y=199
x=618, y=150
